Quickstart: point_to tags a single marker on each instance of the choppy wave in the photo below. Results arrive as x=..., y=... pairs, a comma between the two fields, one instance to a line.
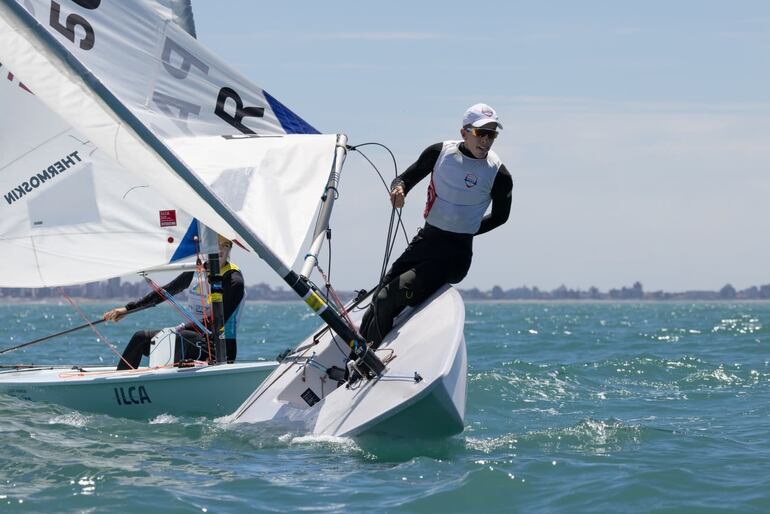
x=571, y=408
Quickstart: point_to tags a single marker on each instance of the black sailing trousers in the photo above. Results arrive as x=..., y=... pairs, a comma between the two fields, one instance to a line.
x=189, y=345
x=433, y=258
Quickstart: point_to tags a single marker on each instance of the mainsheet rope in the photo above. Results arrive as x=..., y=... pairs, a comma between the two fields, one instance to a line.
x=203, y=287
x=335, y=297
x=107, y=342
x=391, y=237
x=179, y=308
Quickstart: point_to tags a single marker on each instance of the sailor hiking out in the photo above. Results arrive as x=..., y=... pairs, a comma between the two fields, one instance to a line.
x=466, y=176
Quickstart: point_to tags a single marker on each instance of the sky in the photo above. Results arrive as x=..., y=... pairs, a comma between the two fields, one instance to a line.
x=636, y=132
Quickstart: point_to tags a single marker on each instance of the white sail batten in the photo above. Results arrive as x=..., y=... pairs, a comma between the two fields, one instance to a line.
x=126, y=108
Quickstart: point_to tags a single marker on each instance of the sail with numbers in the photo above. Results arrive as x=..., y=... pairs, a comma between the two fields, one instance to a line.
x=165, y=113
x=70, y=213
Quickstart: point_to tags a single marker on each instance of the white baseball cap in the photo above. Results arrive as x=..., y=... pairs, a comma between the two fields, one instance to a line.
x=479, y=115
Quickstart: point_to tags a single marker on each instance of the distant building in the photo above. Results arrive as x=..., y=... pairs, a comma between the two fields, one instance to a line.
x=728, y=292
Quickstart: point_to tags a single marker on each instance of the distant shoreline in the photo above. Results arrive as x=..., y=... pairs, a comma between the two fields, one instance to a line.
x=119, y=292
x=4, y=301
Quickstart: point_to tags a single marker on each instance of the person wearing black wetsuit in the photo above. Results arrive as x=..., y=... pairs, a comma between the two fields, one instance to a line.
x=192, y=345
x=466, y=176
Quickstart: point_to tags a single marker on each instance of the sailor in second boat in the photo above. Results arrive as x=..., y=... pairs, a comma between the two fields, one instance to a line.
x=465, y=177
x=193, y=346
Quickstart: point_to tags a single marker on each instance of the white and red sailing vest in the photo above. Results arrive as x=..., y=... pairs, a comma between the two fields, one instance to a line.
x=460, y=189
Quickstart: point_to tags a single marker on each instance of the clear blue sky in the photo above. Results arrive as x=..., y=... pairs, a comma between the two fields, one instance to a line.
x=636, y=132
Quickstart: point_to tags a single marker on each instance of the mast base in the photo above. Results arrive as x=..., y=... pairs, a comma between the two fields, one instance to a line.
x=367, y=365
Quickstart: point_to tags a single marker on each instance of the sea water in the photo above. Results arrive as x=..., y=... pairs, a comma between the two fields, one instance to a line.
x=572, y=407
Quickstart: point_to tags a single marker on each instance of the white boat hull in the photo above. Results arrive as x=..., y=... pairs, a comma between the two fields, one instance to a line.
x=143, y=393
x=420, y=394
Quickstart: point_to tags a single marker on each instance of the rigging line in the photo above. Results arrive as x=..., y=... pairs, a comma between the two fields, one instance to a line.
x=390, y=242
x=310, y=361
x=353, y=304
x=372, y=143
x=387, y=187
x=109, y=343
x=340, y=305
x=170, y=298
x=330, y=291
x=62, y=333
x=199, y=268
x=290, y=354
x=391, y=238
x=258, y=394
x=203, y=288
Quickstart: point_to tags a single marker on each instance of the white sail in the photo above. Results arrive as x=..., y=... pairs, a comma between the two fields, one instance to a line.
x=146, y=93
x=69, y=213
x=178, y=11
x=98, y=222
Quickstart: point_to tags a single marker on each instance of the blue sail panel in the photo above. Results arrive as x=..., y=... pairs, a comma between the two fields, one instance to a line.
x=187, y=246
x=290, y=122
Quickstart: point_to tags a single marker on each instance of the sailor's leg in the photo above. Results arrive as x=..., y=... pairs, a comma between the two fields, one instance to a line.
x=410, y=288
x=232, y=349
x=389, y=302
x=412, y=256
x=190, y=345
x=416, y=252
x=138, y=345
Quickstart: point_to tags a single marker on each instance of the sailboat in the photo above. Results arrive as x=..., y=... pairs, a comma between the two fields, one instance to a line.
x=73, y=215
x=176, y=117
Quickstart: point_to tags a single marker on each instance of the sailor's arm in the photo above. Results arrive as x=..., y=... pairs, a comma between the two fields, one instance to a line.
x=502, y=190
x=176, y=286
x=423, y=167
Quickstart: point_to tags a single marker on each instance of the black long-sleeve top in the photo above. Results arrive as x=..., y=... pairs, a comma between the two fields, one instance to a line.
x=232, y=293
x=502, y=188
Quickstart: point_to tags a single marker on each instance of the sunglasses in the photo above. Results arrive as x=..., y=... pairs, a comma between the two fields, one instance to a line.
x=479, y=132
